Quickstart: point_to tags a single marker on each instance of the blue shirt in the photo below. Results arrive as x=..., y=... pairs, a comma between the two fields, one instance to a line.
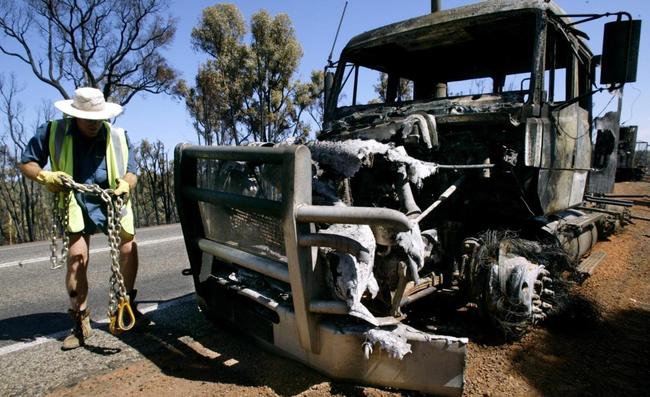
x=89, y=167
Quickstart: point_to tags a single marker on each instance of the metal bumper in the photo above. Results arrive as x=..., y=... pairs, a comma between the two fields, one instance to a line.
x=315, y=331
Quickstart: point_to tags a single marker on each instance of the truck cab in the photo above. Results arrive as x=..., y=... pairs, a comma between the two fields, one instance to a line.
x=502, y=79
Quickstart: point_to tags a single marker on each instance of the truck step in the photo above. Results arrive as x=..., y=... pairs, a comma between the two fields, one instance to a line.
x=586, y=220
x=589, y=265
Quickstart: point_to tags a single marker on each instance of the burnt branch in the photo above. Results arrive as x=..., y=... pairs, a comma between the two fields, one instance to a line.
x=111, y=45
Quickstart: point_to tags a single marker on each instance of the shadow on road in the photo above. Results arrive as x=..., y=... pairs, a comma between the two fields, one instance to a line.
x=29, y=327
x=183, y=344
x=102, y=351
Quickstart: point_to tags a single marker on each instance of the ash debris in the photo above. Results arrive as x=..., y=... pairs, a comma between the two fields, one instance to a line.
x=510, y=276
x=345, y=159
x=352, y=276
x=392, y=342
x=413, y=245
x=514, y=281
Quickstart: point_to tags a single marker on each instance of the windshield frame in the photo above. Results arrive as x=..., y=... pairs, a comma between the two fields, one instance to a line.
x=533, y=91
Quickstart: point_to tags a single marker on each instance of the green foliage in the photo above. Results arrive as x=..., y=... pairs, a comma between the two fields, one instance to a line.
x=153, y=198
x=220, y=32
x=247, y=91
x=404, y=89
x=216, y=101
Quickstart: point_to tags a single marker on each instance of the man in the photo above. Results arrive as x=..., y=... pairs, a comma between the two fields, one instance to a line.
x=87, y=148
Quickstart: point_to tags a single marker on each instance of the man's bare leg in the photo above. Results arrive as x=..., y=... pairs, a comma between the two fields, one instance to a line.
x=76, y=278
x=129, y=267
x=76, y=282
x=128, y=259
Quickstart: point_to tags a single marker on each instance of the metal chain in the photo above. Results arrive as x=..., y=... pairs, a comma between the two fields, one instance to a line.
x=59, y=227
x=117, y=291
x=114, y=207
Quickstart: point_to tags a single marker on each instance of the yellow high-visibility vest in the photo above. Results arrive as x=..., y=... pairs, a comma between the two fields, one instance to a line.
x=117, y=158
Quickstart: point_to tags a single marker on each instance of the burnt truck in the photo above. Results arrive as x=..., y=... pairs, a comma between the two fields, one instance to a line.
x=340, y=253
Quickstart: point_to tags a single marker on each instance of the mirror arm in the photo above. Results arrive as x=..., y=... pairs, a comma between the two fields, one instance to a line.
x=592, y=17
x=581, y=97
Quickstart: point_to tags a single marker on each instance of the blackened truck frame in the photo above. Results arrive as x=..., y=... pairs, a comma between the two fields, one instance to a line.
x=308, y=329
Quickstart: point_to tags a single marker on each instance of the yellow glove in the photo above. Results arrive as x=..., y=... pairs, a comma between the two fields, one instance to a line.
x=52, y=180
x=122, y=187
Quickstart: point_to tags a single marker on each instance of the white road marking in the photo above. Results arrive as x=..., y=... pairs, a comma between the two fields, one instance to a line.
x=22, y=246
x=93, y=251
x=58, y=335
x=6, y=248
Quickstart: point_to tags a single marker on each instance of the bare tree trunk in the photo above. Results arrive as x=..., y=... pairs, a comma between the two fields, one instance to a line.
x=27, y=206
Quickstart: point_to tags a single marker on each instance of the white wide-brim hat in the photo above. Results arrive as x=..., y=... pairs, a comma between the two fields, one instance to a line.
x=88, y=103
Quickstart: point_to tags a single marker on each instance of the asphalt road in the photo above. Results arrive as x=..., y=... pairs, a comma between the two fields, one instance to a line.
x=33, y=300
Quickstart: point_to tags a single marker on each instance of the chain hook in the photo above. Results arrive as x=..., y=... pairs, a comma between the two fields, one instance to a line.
x=116, y=325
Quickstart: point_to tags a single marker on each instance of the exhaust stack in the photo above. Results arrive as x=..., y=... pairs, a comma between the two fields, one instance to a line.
x=440, y=88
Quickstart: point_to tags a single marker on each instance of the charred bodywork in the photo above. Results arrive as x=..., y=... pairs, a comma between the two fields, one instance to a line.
x=630, y=162
x=518, y=125
x=514, y=155
x=320, y=250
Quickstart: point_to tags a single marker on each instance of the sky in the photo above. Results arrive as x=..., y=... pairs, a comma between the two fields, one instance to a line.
x=315, y=21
